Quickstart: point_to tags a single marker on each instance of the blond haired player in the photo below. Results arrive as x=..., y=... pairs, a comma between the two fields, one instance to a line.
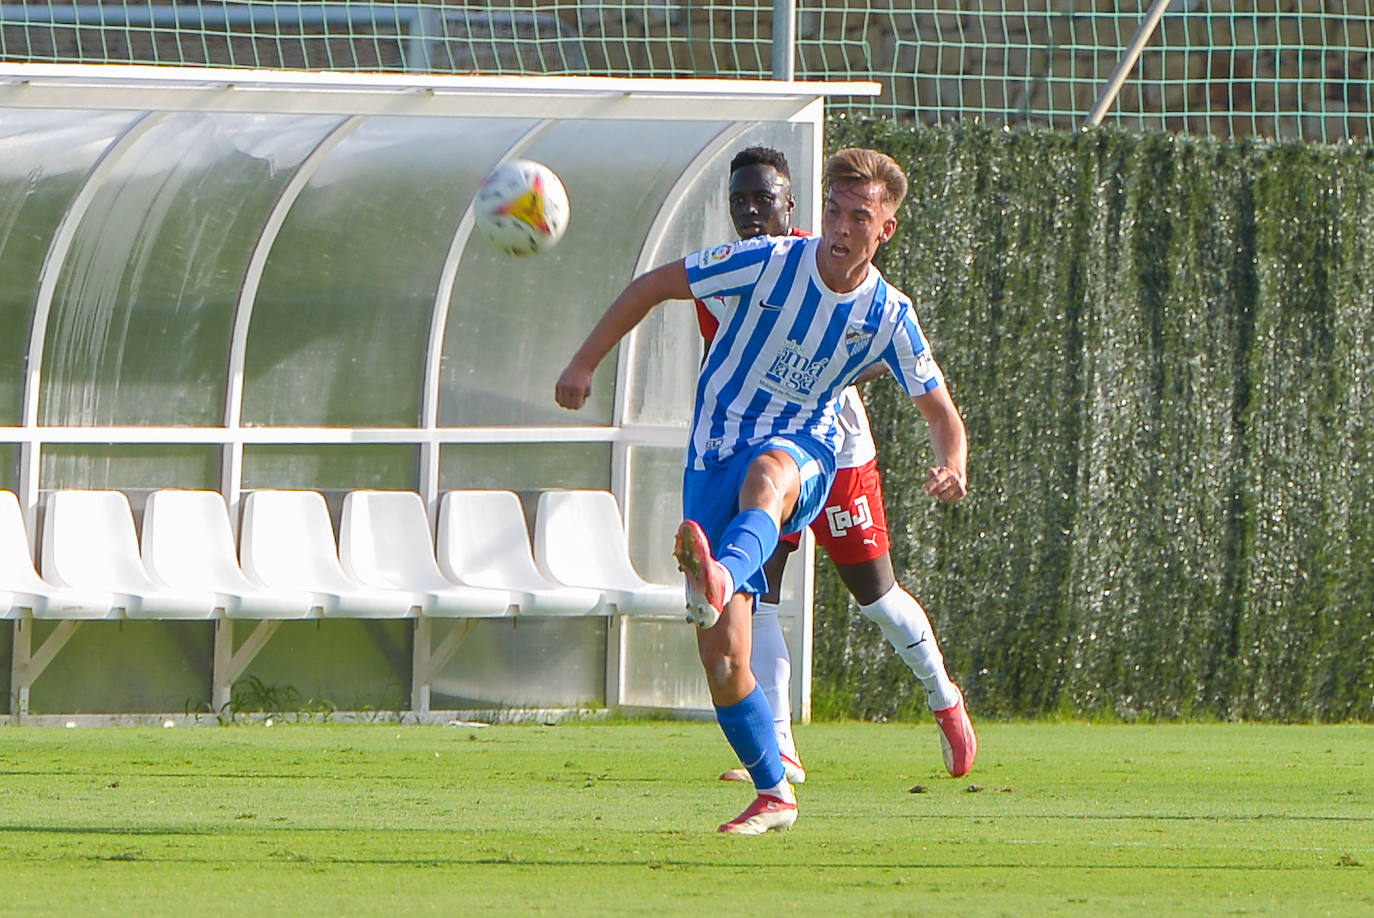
x=803, y=317
x=852, y=526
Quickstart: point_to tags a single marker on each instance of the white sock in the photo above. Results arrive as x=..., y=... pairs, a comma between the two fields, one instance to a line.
x=907, y=629
x=773, y=672
x=782, y=791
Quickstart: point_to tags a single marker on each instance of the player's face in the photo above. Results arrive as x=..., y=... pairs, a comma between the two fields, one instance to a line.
x=760, y=202
x=856, y=220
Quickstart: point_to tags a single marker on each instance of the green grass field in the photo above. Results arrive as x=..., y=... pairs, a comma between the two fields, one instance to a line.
x=619, y=819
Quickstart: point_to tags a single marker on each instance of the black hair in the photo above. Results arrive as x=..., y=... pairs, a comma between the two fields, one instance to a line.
x=761, y=156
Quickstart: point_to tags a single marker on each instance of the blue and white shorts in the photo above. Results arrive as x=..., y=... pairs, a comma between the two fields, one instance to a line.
x=710, y=496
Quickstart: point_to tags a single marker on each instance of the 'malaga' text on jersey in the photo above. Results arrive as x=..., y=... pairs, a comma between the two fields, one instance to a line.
x=788, y=345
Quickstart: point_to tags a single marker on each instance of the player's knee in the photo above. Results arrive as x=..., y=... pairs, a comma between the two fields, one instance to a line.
x=772, y=482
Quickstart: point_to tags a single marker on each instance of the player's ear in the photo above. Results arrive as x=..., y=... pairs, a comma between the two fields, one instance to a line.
x=889, y=229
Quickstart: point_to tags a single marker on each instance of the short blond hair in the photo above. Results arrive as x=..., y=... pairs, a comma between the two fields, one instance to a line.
x=860, y=165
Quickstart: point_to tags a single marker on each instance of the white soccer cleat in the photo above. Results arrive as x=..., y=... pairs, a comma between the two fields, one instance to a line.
x=765, y=814
x=794, y=772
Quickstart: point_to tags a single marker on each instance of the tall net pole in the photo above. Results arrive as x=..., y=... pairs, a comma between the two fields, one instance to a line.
x=784, y=39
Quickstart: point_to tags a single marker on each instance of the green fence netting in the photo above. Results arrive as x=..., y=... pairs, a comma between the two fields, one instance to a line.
x=1271, y=68
x=1163, y=350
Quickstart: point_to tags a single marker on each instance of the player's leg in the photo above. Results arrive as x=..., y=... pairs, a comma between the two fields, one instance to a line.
x=770, y=660
x=719, y=562
x=742, y=711
x=853, y=530
x=868, y=579
x=745, y=718
x=772, y=489
x=772, y=666
x=907, y=628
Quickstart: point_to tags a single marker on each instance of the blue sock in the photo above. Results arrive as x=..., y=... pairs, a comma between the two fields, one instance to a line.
x=747, y=542
x=748, y=725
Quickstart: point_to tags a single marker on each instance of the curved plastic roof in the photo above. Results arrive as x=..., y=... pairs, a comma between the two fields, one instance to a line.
x=236, y=257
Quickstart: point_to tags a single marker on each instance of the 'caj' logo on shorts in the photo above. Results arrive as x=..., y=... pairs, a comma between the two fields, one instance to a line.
x=842, y=520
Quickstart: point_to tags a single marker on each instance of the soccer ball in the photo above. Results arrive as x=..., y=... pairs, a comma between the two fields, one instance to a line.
x=521, y=207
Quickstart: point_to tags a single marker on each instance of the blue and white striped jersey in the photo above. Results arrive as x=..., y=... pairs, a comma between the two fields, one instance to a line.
x=788, y=345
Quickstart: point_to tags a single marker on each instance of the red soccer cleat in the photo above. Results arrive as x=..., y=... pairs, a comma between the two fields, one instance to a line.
x=957, y=739
x=707, y=580
x=764, y=814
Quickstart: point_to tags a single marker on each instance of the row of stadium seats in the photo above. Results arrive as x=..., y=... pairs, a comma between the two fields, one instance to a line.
x=288, y=565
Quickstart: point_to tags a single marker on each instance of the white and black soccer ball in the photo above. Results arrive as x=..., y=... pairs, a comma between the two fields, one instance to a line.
x=521, y=207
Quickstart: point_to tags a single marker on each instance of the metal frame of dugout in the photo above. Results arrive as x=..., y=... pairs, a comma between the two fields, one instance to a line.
x=246, y=280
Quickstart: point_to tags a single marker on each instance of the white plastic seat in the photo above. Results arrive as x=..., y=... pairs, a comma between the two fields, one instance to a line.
x=287, y=543
x=188, y=543
x=579, y=540
x=384, y=541
x=483, y=542
x=89, y=543
x=21, y=587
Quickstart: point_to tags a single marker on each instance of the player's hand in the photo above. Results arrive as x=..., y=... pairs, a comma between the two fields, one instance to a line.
x=574, y=387
x=945, y=484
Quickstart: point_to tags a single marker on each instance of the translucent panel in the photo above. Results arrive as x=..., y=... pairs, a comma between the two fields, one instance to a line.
x=317, y=667
x=126, y=668
x=44, y=160
x=142, y=316
x=495, y=371
x=361, y=256
x=662, y=668
x=129, y=467
x=655, y=510
x=525, y=662
x=667, y=351
x=9, y=466
x=387, y=466
x=662, y=373
x=525, y=466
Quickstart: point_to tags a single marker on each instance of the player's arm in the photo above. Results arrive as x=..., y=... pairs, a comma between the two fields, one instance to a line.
x=947, y=479
x=666, y=282
x=871, y=373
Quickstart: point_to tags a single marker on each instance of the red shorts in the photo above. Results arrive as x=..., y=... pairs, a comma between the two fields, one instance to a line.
x=853, y=526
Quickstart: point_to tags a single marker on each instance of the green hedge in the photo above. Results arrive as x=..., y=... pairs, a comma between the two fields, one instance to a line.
x=1164, y=352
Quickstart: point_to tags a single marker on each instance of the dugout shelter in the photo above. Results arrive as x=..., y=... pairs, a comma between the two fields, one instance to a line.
x=252, y=281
